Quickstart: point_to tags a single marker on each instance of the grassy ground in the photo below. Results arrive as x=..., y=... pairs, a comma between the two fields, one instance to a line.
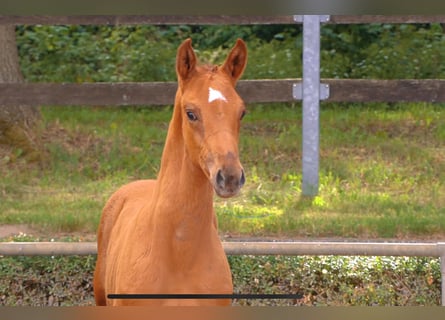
x=381, y=173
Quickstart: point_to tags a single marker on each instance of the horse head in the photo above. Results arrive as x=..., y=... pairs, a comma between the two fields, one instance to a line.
x=211, y=113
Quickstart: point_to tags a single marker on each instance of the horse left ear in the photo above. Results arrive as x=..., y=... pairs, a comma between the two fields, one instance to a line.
x=185, y=60
x=236, y=61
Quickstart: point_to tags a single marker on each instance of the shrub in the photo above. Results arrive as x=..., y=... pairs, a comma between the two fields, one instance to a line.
x=147, y=53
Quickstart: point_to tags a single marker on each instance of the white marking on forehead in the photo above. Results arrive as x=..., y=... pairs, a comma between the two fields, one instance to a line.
x=216, y=95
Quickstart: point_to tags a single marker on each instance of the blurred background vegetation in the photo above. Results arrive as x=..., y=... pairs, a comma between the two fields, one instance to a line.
x=146, y=53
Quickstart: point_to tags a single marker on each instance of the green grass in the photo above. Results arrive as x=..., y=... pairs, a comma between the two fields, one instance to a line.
x=382, y=169
x=381, y=174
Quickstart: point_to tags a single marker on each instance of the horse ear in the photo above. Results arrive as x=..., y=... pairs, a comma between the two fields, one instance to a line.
x=236, y=61
x=185, y=60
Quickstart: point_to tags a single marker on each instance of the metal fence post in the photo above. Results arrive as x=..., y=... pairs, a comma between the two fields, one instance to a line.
x=441, y=252
x=442, y=278
x=311, y=103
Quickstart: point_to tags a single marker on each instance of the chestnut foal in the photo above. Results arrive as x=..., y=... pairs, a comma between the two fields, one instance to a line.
x=160, y=236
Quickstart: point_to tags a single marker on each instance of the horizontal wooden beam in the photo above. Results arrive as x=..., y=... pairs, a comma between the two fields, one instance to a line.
x=365, y=19
x=88, y=94
x=252, y=91
x=145, y=19
x=365, y=90
x=208, y=20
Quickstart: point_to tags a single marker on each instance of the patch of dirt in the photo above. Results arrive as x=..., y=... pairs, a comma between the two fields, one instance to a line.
x=9, y=230
x=75, y=141
x=433, y=238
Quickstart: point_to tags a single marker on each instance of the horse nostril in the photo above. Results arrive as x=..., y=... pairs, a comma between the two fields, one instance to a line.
x=220, y=179
x=243, y=179
x=229, y=181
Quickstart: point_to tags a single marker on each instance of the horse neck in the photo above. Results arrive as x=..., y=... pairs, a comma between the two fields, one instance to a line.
x=183, y=199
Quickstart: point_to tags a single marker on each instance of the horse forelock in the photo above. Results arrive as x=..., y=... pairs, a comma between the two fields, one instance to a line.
x=209, y=75
x=210, y=68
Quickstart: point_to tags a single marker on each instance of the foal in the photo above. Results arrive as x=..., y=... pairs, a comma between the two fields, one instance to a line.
x=160, y=236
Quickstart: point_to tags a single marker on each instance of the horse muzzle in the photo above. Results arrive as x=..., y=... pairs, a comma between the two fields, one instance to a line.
x=228, y=181
x=222, y=165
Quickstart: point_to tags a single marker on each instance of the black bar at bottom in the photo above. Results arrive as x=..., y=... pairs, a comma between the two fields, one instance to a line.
x=204, y=296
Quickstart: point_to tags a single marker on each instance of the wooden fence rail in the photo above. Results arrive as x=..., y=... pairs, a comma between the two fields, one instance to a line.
x=252, y=91
x=209, y=20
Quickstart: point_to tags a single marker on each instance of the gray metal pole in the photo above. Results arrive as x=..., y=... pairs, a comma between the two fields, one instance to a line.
x=441, y=251
x=250, y=248
x=47, y=248
x=311, y=104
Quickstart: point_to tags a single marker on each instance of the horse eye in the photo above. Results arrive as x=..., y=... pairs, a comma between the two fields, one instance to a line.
x=191, y=116
x=243, y=114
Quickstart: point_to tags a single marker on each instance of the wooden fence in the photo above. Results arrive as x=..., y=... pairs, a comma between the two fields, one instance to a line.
x=209, y=20
x=252, y=91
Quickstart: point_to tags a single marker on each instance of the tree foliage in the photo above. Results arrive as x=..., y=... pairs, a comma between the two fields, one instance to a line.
x=147, y=53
